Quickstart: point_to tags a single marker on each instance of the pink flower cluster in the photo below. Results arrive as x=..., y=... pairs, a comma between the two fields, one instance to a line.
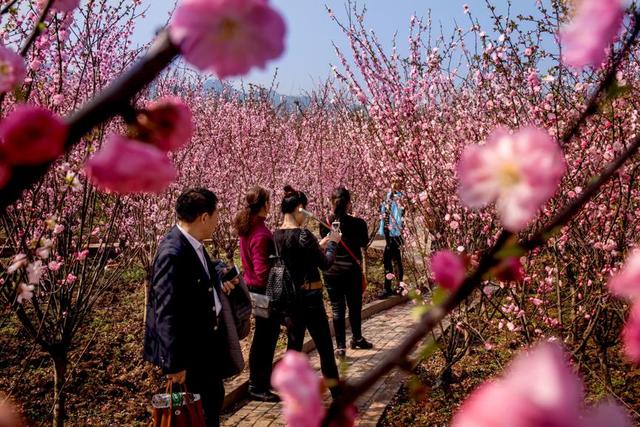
x=299, y=386
x=520, y=171
x=448, y=269
x=29, y=136
x=538, y=389
x=627, y=284
x=227, y=37
x=12, y=69
x=595, y=26
x=61, y=5
x=139, y=165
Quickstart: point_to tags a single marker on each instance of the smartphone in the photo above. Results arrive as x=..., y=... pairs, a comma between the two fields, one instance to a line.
x=335, y=226
x=230, y=275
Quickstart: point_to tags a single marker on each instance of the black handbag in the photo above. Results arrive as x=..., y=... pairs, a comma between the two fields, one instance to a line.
x=281, y=290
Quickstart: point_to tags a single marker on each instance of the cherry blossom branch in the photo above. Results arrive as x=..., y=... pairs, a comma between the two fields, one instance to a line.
x=605, y=83
x=6, y=8
x=398, y=357
x=98, y=110
x=37, y=28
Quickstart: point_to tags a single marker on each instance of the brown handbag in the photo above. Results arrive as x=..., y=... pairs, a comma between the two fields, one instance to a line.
x=184, y=410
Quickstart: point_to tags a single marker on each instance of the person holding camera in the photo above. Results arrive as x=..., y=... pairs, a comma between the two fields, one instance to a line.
x=344, y=279
x=256, y=246
x=198, y=309
x=392, y=215
x=303, y=255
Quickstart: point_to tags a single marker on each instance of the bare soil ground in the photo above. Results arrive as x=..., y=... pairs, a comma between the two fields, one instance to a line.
x=424, y=401
x=110, y=384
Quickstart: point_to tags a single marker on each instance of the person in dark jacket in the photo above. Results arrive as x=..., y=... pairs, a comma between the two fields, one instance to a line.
x=256, y=246
x=194, y=322
x=304, y=255
x=344, y=278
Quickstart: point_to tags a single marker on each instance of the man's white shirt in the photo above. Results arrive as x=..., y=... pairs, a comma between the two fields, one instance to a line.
x=199, y=248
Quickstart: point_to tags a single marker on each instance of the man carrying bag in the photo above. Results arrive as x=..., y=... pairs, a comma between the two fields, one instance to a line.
x=194, y=319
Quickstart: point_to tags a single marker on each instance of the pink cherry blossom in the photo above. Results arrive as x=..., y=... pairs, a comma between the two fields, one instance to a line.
x=520, y=171
x=390, y=276
x=128, y=166
x=71, y=278
x=227, y=37
x=627, y=282
x=82, y=255
x=32, y=135
x=631, y=334
x=299, y=387
x=61, y=5
x=25, y=292
x=539, y=388
x=448, y=269
x=509, y=270
x=17, y=263
x=166, y=123
x=594, y=27
x=44, y=249
x=35, y=270
x=12, y=69
x=54, y=265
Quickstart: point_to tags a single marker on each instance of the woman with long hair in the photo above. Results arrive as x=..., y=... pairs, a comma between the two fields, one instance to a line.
x=344, y=278
x=256, y=246
x=303, y=255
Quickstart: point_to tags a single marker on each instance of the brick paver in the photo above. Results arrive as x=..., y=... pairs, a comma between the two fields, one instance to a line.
x=385, y=331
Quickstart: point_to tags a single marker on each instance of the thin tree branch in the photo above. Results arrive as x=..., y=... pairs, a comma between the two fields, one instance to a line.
x=103, y=107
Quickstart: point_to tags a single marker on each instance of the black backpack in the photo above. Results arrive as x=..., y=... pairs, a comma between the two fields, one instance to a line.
x=281, y=289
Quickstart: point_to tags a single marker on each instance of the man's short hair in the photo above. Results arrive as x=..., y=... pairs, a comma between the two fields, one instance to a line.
x=194, y=202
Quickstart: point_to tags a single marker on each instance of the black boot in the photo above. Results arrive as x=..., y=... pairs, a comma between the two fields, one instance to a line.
x=361, y=343
x=262, y=395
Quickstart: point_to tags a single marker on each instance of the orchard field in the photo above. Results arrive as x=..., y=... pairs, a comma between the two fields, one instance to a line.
x=515, y=142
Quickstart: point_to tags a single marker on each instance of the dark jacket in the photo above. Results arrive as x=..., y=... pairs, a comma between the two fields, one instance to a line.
x=182, y=329
x=302, y=254
x=356, y=237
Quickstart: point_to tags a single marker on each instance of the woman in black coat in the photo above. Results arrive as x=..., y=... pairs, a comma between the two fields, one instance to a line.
x=344, y=278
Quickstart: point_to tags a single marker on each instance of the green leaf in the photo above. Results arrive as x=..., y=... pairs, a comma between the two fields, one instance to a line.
x=427, y=349
x=616, y=90
x=439, y=295
x=418, y=311
x=510, y=249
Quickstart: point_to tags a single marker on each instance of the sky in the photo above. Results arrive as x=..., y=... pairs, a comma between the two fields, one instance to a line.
x=311, y=32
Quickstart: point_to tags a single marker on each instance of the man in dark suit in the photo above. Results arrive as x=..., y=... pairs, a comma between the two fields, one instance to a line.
x=194, y=322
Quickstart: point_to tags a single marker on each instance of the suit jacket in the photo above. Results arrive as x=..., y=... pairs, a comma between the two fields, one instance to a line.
x=182, y=330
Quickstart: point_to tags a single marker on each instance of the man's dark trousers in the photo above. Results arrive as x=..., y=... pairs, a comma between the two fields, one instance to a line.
x=205, y=381
x=392, y=252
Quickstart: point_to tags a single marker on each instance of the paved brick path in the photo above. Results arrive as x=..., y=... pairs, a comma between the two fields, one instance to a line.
x=385, y=331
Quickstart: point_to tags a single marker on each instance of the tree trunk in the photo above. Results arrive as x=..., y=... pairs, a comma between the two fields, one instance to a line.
x=60, y=371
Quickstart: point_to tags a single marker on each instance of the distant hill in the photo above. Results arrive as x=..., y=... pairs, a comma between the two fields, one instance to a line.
x=276, y=98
